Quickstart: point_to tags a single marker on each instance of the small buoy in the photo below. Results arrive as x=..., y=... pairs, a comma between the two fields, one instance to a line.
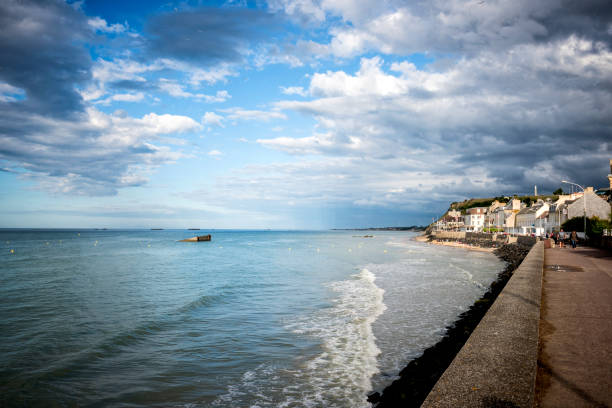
x=12, y=251
x=385, y=251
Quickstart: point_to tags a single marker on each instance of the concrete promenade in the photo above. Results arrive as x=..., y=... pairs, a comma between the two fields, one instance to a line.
x=575, y=356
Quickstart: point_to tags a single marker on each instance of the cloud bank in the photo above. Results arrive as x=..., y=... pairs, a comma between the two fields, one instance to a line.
x=520, y=94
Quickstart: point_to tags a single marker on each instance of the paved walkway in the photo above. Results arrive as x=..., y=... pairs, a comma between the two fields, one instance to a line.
x=575, y=357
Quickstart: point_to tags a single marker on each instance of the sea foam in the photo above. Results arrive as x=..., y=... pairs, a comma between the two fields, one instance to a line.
x=340, y=375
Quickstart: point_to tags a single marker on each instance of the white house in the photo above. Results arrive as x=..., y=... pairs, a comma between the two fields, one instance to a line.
x=474, y=219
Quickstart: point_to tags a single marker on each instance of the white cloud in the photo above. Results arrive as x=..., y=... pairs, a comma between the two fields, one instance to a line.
x=197, y=75
x=320, y=143
x=152, y=124
x=95, y=153
x=220, y=96
x=302, y=9
x=294, y=90
x=370, y=80
x=173, y=88
x=216, y=154
x=99, y=24
x=120, y=70
x=106, y=71
x=212, y=119
x=454, y=27
x=9, y=93
x=257, y=115
x=128, y=97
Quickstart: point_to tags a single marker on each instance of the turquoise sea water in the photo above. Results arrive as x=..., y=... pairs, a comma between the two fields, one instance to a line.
x=251, y=319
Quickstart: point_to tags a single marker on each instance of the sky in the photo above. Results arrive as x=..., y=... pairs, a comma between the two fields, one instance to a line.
x=295, y=114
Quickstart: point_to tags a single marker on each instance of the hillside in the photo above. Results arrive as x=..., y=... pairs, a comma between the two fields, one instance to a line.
x=485, y=202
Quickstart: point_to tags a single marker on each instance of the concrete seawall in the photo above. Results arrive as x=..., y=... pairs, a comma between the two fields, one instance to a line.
x=497, y=365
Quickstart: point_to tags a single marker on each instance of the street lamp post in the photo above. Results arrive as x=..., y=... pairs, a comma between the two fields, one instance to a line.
x=583, y=202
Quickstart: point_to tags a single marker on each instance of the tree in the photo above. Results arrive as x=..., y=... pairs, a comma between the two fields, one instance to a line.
x=595, y=226
x=558, y=191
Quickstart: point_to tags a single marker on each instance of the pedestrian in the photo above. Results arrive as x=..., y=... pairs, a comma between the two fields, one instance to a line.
x=573, y=238
x=556, y=237
x=562, y=239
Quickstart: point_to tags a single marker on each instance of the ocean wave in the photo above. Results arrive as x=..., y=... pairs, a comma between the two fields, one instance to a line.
x=202, y=301
x=467, y=274
x=340, y=375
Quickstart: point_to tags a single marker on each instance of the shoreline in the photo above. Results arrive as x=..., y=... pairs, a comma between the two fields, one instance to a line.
x=457, y=244
x=420, y=375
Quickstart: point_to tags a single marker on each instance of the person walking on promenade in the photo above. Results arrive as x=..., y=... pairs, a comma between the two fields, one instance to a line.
x=562, y=239
x=573, y=238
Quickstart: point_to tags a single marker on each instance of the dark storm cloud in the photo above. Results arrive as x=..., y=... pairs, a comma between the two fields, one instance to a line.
x=207, y=36
x=589, y=18
x=39, y=45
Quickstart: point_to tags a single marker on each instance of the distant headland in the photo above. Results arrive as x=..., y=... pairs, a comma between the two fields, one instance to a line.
x=411, y=228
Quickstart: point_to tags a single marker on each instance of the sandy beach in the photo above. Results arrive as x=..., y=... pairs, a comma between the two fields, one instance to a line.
x=461, y=245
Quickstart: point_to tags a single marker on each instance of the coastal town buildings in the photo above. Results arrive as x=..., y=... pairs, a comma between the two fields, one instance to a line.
x=541, y=217
x=454, y=219
x=451, y=221
x=505, y=216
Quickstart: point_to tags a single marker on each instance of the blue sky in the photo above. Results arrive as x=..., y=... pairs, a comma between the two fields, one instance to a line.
x=301, y=114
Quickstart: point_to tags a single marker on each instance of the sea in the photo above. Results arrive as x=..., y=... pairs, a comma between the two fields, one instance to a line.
x=135, y=318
